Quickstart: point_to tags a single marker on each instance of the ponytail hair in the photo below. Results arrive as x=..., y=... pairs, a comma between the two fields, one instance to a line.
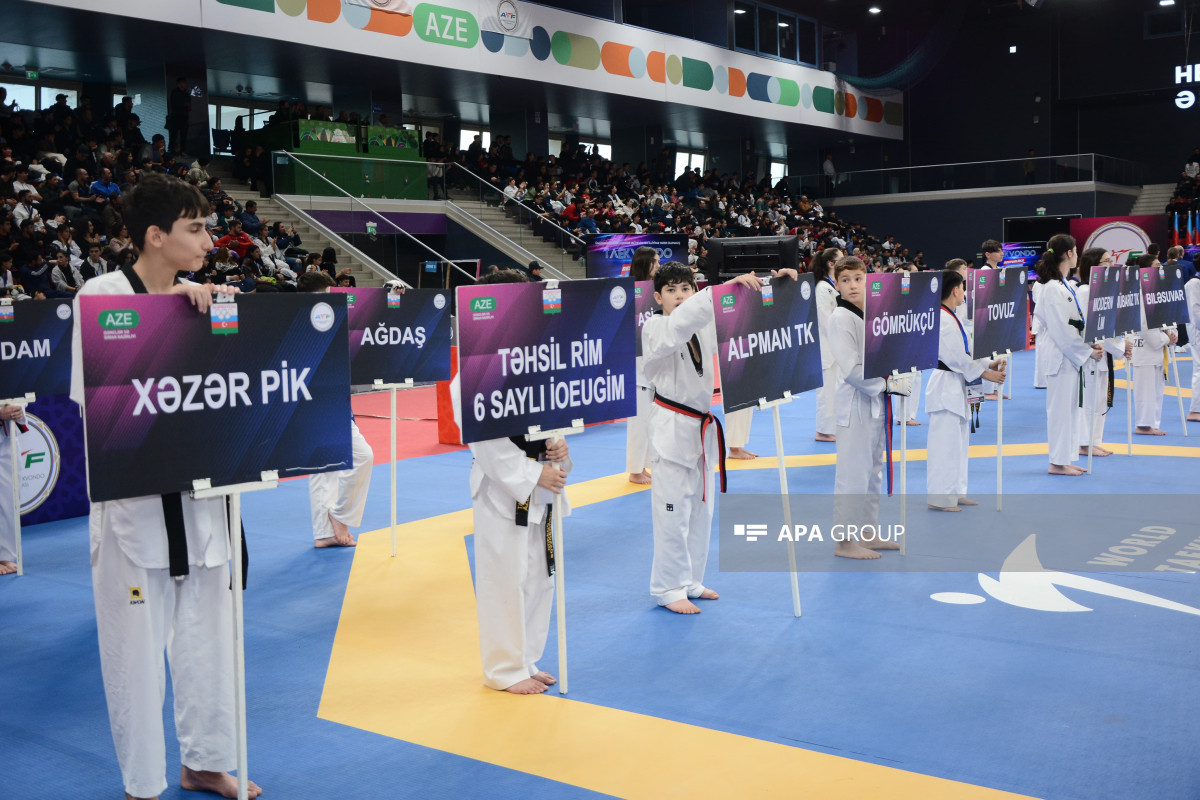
x=823, y=262
x=1056, y=250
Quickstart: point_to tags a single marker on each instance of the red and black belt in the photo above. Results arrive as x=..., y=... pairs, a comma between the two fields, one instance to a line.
x=706, y=419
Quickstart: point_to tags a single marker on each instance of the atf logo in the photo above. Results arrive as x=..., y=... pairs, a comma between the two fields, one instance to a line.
x=506, y=14
x=752, y=533
x=119, y=319
x=38, y=464
x=135, y=596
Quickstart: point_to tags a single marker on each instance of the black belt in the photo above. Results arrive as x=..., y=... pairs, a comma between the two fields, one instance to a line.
x=706, y=419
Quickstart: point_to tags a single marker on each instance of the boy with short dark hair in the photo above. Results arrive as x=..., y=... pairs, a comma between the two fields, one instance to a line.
x=187, y=605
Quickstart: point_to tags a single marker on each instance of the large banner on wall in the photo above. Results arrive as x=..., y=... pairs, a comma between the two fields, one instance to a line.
x=534, y=42
x=609, y=255
x=1120, y=235
x=531, y=355
x=262, y=383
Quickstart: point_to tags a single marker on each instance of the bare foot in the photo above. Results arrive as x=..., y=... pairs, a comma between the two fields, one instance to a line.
x=991, y=396
x=825, y=437
x=850, y=549
x=966, y=501
x=527, y=686
x=128, y=796
x=1193, y=416
x=8, y=568
x=944, y=508
x=683, y=606
x=1146, y=430
x=1097, y=451
x=880, y=544
x=642, y=477
x=341, y=536
x=546, y=678
x=709, y=594
x=1069, y=469
x=221, y=783
x=913, y=423
x=741, y=453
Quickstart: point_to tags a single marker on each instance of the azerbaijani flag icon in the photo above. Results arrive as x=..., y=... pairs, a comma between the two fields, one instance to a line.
x=224, y=318
x=551, y=301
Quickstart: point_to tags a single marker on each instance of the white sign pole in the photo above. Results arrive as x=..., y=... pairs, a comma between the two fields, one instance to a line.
x=1089, y=413
x=203, y=491
x=1178, y=392
x=392, y=387
x=783, y=490
x=1129, y=401
x=1007, y=358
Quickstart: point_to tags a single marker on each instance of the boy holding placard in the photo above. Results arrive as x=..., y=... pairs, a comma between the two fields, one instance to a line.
x=677, y=353
x=513, y=483
x=337, y=499
x=1150, y=369
x=946, y=402
x=8, y=531
x=160, y=564
x=861, y=422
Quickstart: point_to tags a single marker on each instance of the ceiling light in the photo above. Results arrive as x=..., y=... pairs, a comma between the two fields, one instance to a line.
x=783, y=24
x=1166, y=2
x=739, y=11
x=874, y=10
x=1012, y=48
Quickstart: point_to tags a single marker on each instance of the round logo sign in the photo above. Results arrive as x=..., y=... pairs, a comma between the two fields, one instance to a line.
x=321, y=316
x=506, y=14
x=805, y=291
x=38, y=463
x=1178, y=273
x=1021, y=276
x=439, y=301
x=933, y=285
x=1119, y=238
x=64, y=311
x=617, y=297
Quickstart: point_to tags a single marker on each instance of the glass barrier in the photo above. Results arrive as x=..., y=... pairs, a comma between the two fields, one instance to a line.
x=1085, y=167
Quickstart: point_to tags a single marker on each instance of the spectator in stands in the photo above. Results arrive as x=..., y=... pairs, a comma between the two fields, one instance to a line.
x=199, y=171
x=65, y=276
x=120, y=243
x=1191, y=169
x=237, y=240
x=104, y=188
x=179, y=109
x=251, y=224
x=94, y=264
x=27, y=211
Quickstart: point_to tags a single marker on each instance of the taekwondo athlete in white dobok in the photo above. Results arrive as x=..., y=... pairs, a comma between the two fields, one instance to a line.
x=737, y=433
x=678, y=347
x=827, y=297
x=1191, y=291
x=946, y=403
x=1149, y=377
x=160, y=564
x=513, y=483
x=862, y=421
x=8, y=530
x=1096, y=374
x=1063, y=353
x=337, y=499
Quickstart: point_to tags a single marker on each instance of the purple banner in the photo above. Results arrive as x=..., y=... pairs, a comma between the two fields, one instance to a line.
x=610, y=254
x=645, y=306
x=530, y=355
x=1129, y=302
x=902, y=322
x=1162, y=294
x=417, y=224
x=1104, y=285
x=172, y=396
x=1001, y=310
x=35, y=348
x=767, y=342
x=394, y=337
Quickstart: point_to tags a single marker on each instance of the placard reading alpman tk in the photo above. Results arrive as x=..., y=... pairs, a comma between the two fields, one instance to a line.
x=767, y=341
x=172, y=395
x=394, y=336
x=902, y=328
x=35, y=348
x=531, y=355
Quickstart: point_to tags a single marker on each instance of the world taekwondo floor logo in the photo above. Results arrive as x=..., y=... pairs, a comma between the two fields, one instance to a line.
x=1025, y=583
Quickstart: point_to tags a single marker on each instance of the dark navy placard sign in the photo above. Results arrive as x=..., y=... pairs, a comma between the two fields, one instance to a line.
x=901, y=319
x=532, y=354
x=35, y=348
x=172, y=396
x=1129, y=302
x=1104, y=284
x=395, y=337
x=767, y=342
x=645, y=307
x=1001, y=310
x=1163, y=298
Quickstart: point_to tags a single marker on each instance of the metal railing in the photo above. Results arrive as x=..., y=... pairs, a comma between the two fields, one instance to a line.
x=397, y=255
x=1084, y=167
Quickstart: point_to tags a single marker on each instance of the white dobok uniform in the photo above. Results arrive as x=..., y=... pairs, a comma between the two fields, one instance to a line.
x=1149, y=379
x=827, y=296
x=514, y=591
x=1063, y=352
x=683, y=495
x=637, y=428
x=1095, y=380
x=8, y=528
x=141, y=610
x=737, y=427
x=949, y=415
x=861, y=426
x=1037, y=329
x=342, y=494
x=1191, y=291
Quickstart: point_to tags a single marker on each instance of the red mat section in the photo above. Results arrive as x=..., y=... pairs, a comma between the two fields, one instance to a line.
x=416, y=423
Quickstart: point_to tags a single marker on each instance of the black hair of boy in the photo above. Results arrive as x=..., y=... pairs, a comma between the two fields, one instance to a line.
x=503, y=276
x=313, y=282
x=673, y=272
x=991, y=246
x=951, y=280
x=848, y=264
x=159, y=201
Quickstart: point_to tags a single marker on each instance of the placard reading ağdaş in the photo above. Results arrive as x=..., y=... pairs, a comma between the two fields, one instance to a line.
x=396, y=336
